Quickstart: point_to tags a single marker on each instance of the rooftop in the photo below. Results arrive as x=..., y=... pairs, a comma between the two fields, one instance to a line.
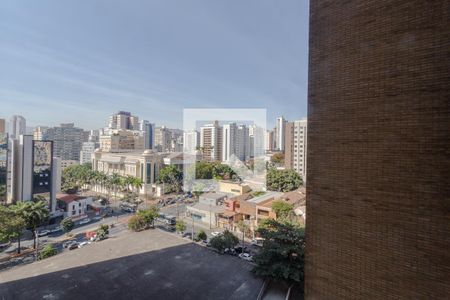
x=151, y=264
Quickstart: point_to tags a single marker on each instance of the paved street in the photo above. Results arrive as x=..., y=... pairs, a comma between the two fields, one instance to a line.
x=147, y=265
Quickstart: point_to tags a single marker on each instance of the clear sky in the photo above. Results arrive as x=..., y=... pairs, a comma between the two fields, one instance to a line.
x=81, y=61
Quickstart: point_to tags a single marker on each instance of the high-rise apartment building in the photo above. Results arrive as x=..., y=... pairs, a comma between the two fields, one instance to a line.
x=3, y=166
x=242, y=143
x=87, y=151
x=256, y=142
x=163, y=138
x=378, y=187
x=269, y=140
x=279, y=134
x=94, y=136
x=295, y=146
x=17, y=126
x=119, y=140
x=39, y=133
x=123, y=120
x=2, y=126
x=191, y=141
x=148, y=130
x=67, y=140
x=211, y=141
x=229, y=141
x=33, y=171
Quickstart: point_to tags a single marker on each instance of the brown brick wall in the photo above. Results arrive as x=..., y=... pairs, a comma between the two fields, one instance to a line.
x=378, y=193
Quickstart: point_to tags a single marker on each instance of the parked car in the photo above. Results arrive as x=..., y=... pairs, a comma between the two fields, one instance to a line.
x=230, y=251
x=43, y=232
x=187, y=234
x=73, y=245
x=56, y=229
x=240, y=249
x=84, y=221
x=83, y=244
x=215, y=233
x=246, y=256
x=68, y=243
x=258, y=242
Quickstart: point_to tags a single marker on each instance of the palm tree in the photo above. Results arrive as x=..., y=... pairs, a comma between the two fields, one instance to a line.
x=33, y=213
x=102, y=179
x=115, y=181
x=137, y=184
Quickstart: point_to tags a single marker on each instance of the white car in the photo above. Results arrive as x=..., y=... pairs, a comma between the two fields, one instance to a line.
x=56, y=229
x=246, y=256
x=83, y=244
x=215, y=233
x=84, y=221
x=43, y=232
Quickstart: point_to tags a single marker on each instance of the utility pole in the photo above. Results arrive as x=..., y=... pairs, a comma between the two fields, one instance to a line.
x=192, y=236
x=210, y=214
x=37, y=243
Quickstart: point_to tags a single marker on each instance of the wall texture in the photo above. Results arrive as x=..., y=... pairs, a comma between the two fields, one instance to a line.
x=378, y=193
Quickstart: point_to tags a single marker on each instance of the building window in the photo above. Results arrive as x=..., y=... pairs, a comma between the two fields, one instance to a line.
x=149, y=173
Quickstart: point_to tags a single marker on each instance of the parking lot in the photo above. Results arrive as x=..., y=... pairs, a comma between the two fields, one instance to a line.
x=152, y=264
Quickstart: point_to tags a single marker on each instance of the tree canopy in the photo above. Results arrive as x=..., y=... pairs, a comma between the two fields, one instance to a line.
x=282, y=254
x=283, y=180
x=282, y=208
x=224, y=240
x=172, y=177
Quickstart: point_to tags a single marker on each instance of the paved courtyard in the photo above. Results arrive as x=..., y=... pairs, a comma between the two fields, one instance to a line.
x=152, y=264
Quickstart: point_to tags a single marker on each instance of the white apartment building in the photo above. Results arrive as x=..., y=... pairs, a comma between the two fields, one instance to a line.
x=280, y=134
x=191, y=141
x=211, y=141
x=87, y=151
x=162, y=139
x=296, y=146
x=235, y=142
x=257, y=141
x=18, y=126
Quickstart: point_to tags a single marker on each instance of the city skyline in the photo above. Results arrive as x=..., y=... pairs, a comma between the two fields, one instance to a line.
x=49, y=56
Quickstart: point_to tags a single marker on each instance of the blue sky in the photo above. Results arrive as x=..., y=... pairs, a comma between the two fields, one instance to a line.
x=80, y=61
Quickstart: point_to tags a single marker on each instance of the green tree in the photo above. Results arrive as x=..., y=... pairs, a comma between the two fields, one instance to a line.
x=244, y=228
x=75, y=177
x=220, y=171
x=277, y=158
x=283, y=180
x=282, y=208
x=180, y=226
x=102, y=231
x=172, y=177
x=48, y=251
x=137, y=223
x=282, y=254
x=115, y=181
x=67, y=224
x=11, y=226
x=34, y=214
x=201, y=236
x=203, y=170
x=149, y=215
x=224, y=240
